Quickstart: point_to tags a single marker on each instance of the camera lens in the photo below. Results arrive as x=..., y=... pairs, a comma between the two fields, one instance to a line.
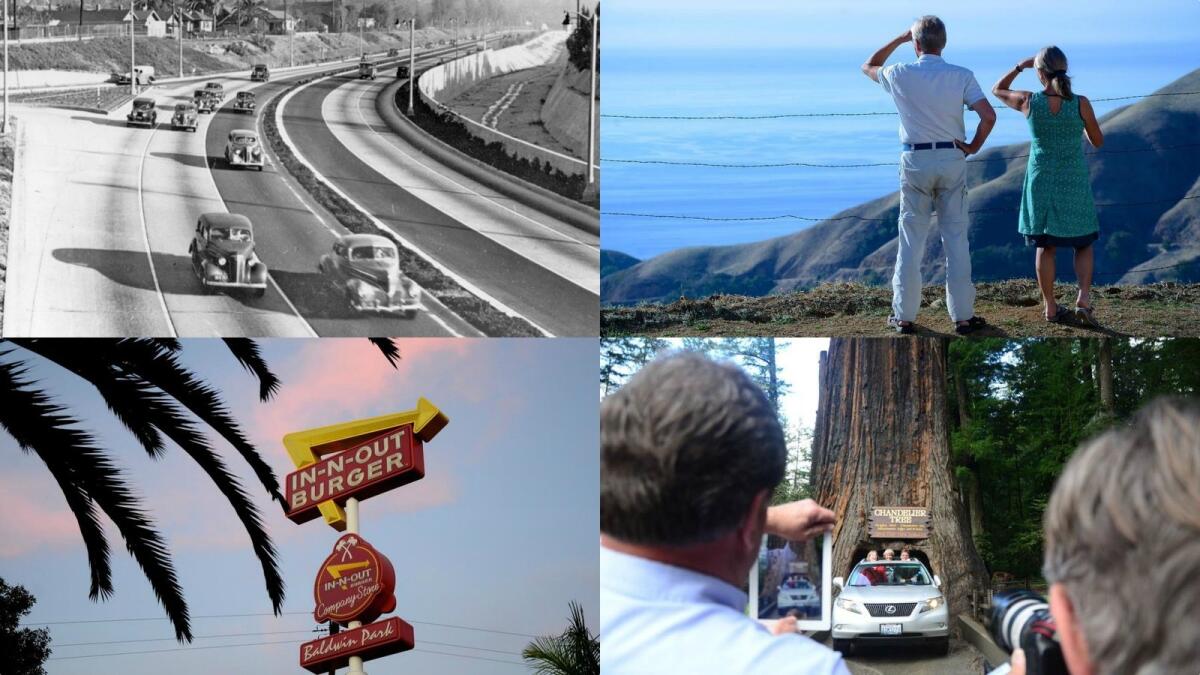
x=1012, y=614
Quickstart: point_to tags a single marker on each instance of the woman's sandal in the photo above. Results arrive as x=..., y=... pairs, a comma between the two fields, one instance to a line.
x=973, y=324
x=1060, y=316
x=902, y=327
x=1086, y=316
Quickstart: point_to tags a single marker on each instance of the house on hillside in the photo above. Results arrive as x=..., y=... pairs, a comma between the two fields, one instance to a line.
x=258, y=20
x=94, y=22
x=194, y=24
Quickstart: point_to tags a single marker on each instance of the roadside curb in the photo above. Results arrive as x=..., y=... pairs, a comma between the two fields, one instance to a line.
x=18, y=143
x=467, y=286
x=974, y=633
x=572, y=213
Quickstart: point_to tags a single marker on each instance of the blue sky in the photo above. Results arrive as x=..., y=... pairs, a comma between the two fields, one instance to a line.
x=500, y=534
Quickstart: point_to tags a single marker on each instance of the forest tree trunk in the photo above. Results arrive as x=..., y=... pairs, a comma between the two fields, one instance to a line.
x=1104, y=372
x=882, y=440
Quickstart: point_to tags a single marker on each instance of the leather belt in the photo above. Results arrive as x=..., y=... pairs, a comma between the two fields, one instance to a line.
x=941, y=145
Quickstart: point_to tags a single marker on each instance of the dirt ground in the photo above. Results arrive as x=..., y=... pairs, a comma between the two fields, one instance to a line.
x=1012, y=308
x=523, y=116
x=963, y=658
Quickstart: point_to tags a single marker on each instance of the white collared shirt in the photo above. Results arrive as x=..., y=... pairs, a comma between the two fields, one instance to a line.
x=930, y=95
x=658, y=619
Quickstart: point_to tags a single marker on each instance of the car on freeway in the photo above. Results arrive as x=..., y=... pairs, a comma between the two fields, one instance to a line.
x=260, y=73
x=797, y=594
x=205, y=101
x=401, y=71
x=222, y=253
x=393, y=52
x=144, y=75
x=143, y=112
x=243, y=149
x=215, y=89
x=184, y=117
x=366, y=269
x=366, y=69
x=244, y=102
x=890, y=602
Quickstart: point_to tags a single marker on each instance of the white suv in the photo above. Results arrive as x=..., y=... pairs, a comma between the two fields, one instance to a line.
x=890, y=602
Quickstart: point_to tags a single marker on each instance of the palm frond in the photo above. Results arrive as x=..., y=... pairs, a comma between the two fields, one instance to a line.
x=575, y=652
x=158, y=366
x=39, y=425
x=390, y=351
x=246, y=352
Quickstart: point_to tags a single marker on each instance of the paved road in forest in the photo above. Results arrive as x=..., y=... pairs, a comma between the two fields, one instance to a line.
x=883, y=660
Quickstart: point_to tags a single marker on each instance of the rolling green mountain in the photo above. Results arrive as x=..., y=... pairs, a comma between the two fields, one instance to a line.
x=1146, y=181
x=615, y=261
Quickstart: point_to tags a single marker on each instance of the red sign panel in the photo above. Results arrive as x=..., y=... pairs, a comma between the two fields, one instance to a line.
x=355, y=583
x=383, y=638
x=360, y=467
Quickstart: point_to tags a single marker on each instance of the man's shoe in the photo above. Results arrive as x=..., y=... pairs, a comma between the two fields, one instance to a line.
x=973, y=324
x=902, y=327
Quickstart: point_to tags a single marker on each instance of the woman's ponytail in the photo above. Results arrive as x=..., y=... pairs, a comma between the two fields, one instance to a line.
x=1053, y=64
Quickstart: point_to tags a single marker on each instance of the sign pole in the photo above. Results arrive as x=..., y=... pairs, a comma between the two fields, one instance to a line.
x=356, y=662
x=412, y=61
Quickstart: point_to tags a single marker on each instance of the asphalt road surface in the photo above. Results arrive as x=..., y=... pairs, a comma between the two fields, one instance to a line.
x=105, y=213
x=963, y=659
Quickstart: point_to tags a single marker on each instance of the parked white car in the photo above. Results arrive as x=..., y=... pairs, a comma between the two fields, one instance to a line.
x=891, y=602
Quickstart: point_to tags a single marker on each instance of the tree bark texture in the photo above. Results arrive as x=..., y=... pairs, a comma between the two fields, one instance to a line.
x=882, y=440
x=1104, y=372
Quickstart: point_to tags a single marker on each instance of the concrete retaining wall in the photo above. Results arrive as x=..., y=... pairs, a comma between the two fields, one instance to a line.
x=450, y=79
x=565, y=112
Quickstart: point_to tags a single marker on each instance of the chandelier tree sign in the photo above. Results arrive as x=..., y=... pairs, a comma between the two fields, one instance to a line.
x=336, y=467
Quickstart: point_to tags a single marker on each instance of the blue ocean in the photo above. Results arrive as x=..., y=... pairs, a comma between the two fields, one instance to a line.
x=770, y=82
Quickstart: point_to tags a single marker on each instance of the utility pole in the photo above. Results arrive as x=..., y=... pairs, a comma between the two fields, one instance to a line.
x=412, y=61
x=132, y=65
x=592, y=99
x=4, y=122
x=362, y=46
x=291, y=34
x=454, y=21
x=179, y=27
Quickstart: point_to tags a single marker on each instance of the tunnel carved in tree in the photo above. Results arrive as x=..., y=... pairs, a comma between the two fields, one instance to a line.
x=881, y=438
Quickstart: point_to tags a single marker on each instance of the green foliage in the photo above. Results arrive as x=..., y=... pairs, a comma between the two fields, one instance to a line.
x=575, y=652
x=22, y=649
x=579, y=43
x=1030, y=404
x=621, y=357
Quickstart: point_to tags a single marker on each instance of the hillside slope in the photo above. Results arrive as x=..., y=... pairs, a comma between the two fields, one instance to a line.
x=1156, y=224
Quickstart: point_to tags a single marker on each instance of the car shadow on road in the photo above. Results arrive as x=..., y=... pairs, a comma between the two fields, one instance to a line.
x=313, y=294
x=128, y=268
x=185, y=159
x=104, y=121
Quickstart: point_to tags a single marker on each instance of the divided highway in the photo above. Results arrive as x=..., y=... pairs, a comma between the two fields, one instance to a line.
x=104, y=215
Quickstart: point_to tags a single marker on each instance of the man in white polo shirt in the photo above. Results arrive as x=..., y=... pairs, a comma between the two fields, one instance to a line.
x=690, y=453
x=930, y=95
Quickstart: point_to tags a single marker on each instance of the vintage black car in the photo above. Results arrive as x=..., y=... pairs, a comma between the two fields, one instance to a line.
x=402, y=71
x=143, y=113
x=184, y=117
x=205, y=101
x=366, y=69
x=366, y=270
x=244, y=102
x=216, y=89
x=260, y=73
x=243, y=149
x=222, y=253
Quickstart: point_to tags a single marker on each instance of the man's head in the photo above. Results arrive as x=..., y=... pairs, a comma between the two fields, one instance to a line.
x=889, y=554
x=929, y=35
x=1122, y=545
x=690, y=450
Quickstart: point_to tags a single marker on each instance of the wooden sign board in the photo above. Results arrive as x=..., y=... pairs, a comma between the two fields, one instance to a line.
x=382, y=638
x=898, y=522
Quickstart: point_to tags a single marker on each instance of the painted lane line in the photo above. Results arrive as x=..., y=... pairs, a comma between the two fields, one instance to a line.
x=162, y=300
x=433, y=177
x=470, y=287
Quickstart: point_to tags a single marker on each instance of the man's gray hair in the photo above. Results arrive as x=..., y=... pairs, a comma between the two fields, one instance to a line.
x=929, y=33
x=1123, y=538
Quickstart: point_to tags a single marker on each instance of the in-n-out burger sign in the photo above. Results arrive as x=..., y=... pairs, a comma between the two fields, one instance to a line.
x=357, y=459
x=355, y=583
x=382, y=638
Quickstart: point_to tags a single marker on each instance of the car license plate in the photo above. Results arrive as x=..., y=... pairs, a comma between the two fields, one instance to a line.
x=889, y=628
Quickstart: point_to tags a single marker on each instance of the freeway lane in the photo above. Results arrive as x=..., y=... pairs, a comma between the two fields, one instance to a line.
x=99, y=245
x=545, y=270
x=292, y=238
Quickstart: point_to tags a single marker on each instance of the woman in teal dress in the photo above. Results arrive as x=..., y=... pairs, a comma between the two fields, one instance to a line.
x=1056, y=203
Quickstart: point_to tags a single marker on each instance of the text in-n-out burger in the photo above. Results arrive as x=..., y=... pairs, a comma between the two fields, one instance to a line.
x=358, y=467
x=382, y=638
x=355, y=583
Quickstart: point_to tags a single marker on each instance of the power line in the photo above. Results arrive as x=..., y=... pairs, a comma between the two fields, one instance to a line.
x=777, y=165
x=467, y=656
x=257, y=614
x=168, y=639
x=778, y=116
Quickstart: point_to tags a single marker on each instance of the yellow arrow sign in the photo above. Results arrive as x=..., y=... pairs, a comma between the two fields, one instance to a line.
x=335, y=571
x=307, y=447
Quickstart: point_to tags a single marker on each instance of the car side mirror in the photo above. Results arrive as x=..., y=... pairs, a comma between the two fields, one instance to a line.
x=937, y=581
x=839, y=582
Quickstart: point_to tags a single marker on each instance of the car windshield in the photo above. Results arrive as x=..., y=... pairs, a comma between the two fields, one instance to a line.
x=372, y=253
x=890, y=575
x=245, y=94
x=245, y=140
x=143, y=105
x=796, y=582
x=230, y=233
x=184, y=107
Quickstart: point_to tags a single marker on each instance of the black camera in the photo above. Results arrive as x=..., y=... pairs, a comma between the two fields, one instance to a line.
x=1022, y=619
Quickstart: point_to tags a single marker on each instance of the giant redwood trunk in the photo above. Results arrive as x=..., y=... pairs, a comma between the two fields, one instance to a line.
x=882, y=440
